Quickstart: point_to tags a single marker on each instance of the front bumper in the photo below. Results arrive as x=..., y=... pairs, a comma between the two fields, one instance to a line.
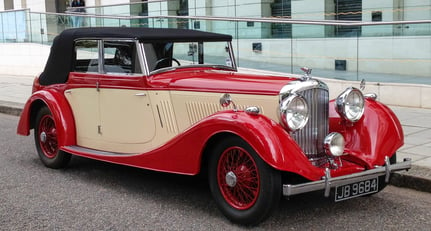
x=328, y=182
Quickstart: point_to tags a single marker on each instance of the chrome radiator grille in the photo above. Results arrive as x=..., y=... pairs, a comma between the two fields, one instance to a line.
x=311, y=137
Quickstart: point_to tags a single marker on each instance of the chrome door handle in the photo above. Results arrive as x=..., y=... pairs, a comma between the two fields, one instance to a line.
x=141, y=94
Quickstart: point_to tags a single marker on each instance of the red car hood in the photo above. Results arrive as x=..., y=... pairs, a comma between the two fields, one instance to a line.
x=212, y=80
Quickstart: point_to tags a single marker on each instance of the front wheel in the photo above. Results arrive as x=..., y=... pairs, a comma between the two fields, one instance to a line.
x=45, y=137
x=244, y=187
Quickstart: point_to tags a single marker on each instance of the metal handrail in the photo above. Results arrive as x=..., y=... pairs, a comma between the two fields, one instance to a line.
x=119, y=4
x=247, y=19
x=14, y=10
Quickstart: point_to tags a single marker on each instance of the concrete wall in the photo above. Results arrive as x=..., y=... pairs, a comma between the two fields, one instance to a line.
x=27, y=59
x=35, y=5
x=407, y=55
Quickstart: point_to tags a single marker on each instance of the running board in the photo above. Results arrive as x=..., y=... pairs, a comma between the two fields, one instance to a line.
x=78, y=150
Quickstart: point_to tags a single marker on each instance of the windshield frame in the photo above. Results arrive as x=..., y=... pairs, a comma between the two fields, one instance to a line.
x=147, y=70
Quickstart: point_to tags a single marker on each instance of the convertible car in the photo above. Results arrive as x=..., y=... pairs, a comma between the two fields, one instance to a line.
x=172, y=100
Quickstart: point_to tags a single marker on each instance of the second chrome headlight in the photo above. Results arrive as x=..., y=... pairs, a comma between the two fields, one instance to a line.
x=294, y=112
x=350, y=104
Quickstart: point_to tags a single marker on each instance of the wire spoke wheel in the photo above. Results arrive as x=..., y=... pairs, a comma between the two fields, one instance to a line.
x=238, y=178
x=48, y=136
x=46, y=140
x=245, y=188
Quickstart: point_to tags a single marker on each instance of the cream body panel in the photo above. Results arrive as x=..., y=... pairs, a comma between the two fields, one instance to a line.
x=126, y=116
x=133, y=124
x=85, y=107
x=164, y=117
x=191, y=107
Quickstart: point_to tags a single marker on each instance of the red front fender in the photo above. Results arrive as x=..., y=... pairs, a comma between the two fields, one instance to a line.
x=60, y=110
x=378, y=134
x=272, y=143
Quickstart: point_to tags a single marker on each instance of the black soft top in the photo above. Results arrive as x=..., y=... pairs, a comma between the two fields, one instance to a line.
x=61, y=57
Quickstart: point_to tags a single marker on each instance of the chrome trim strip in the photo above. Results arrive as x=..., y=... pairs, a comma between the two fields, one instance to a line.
x=143, y=59
x=328, y=182
x=232, y=56
x=79, y=149
x=300, y=85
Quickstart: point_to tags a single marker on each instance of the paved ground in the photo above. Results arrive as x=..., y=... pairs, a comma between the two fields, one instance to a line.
x=94, y=195
x=14, y=91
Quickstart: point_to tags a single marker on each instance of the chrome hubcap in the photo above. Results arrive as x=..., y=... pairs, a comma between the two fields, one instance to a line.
x=231, y=179
x=43, y=137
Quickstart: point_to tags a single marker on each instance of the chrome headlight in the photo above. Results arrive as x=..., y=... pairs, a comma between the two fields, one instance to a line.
x=350, y=104
x=334, y=144
x=294, y=112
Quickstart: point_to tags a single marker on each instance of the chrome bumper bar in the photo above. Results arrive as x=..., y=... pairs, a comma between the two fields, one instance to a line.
x=328, y=182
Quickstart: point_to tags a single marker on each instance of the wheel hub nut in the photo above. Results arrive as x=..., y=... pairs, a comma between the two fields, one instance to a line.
x=43, y=137
x=231, y=179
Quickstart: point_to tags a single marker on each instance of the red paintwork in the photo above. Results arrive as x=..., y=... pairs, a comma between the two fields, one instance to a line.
x=190, y=79
x=212, y=80
x=269, y=139
x=376, y=135
x=54, y=100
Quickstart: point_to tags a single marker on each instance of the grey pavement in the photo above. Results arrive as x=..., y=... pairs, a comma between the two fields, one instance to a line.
x=416, y=122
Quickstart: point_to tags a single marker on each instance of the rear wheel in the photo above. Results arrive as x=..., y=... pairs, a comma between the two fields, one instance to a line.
x=46, y=140
x=245, y=188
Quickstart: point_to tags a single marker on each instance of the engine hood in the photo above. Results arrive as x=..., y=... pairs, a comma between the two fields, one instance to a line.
x=214, y=80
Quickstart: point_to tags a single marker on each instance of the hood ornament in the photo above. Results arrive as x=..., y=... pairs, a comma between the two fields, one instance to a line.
x=371, y=96
x=307, y=73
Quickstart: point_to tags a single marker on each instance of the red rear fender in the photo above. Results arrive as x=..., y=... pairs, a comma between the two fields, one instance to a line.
x=59, y=108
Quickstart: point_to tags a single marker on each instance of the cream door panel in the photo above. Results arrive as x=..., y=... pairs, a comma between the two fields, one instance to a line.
x=141, y=121
x=126, y=117
x=85, y=107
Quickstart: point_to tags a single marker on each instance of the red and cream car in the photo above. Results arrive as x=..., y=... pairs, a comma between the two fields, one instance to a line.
x=172, y=100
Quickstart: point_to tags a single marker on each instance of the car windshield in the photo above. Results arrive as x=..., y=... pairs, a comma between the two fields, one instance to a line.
x=166, y=55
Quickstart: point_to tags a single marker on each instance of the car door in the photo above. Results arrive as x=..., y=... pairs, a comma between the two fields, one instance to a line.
x=82, y=93
x=126, y=116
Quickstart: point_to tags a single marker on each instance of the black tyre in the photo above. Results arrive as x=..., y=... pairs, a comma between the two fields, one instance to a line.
x=46, y=140
x=244, y=187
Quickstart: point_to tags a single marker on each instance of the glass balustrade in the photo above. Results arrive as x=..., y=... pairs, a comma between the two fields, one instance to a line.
x=382, y=52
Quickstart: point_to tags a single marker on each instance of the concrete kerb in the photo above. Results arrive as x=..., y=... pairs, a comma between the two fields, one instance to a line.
x=417, y=178
x=11, y=108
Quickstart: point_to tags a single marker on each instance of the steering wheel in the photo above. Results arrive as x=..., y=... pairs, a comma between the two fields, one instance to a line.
x=164, y=62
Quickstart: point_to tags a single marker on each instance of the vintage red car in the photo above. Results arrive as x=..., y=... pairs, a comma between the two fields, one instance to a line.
x=171, y=100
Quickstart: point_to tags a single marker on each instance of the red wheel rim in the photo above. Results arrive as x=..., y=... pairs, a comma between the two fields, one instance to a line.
x=48, y=136
x=238, y=178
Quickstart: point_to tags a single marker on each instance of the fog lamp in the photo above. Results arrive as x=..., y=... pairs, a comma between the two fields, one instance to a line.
x=334, y=144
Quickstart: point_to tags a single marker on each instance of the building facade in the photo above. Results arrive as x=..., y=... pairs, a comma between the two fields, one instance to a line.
x=402, y=49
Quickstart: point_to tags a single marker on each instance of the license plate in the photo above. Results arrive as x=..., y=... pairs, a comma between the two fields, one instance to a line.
x=356, y=189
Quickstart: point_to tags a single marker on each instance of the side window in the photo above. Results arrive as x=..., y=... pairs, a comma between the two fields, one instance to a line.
x=121, y=57
x=86, y=56
x=158, y=55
